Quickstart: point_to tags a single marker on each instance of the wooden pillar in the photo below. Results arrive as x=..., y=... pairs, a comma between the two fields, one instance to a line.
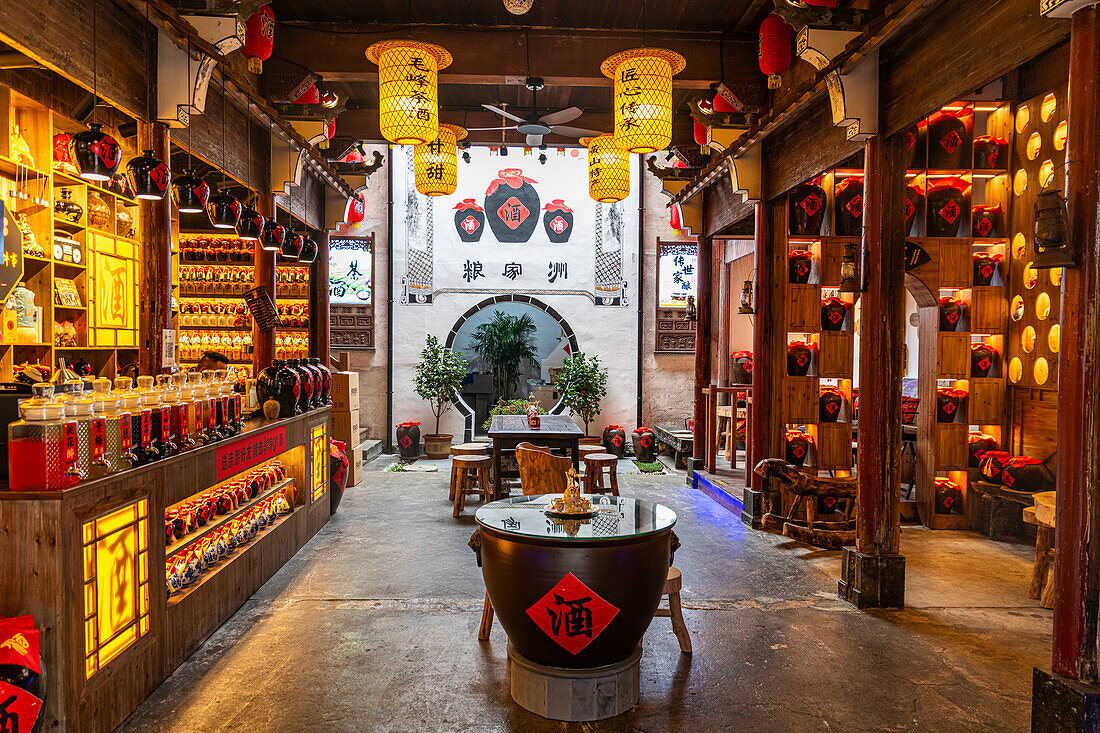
x=1068, y=698
x=318, y=302
x=873, y=572
x=703, y=337
x=155, y=235
x=769, y=343
x=1077, y=565
x=263, y=340
x=722, y=319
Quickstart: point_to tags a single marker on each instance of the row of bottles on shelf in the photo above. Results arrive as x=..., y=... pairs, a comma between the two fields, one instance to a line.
x=237, y=345
x=220, y=314
x=216, y=250
x=68, y=211
x=183, y=567
x=803, y=268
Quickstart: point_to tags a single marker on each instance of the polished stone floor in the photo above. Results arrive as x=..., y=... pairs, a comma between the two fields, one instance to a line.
x=373, y=627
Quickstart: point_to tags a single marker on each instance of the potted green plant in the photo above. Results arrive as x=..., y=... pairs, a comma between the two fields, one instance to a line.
x=583, y=383
x=503, y=343
x=511, y=407
x=439, y=377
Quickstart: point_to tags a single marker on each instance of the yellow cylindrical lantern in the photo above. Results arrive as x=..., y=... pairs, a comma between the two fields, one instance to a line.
x=608, y=169
x=643, y=97
x=408, y=89
x=435, y=164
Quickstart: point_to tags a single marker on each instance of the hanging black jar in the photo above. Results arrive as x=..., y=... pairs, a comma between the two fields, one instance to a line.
x=95, y=153
x=251, y=224
x=190, y=193
x=806, y=209
x=272, y=236
x=148, y=177
x=308, y=253
x=223, y=210
x=292, y=245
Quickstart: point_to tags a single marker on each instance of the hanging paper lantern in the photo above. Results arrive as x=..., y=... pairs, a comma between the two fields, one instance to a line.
x=676, y=217
x=251, y=224
x=518, y=7
x=148, y=177
x=309, y=96
x=95, y=153
x=435, y=164
x=272, y=236
x=643, y=97
x=608, y=169
x=701, y=135
x=408, y=91
x=308, y=253
x=224, y=210
x=190, y=193
x=259, y=35
x=354, y=210
x=774, y=52
x=292, y=245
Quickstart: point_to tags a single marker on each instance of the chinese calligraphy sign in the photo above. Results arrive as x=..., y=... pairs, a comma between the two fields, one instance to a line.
x=572, y=614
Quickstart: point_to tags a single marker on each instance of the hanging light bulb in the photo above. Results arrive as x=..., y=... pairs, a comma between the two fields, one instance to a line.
x=643, y=97
x=408, y=90
x=224, y=210
x=272, y=236
x=435, y=164
x=95, y=153
x=251, y=224
x=518, y=7
x=608, y=169
x=148, y=176
x=308, y=253
x=190, y=192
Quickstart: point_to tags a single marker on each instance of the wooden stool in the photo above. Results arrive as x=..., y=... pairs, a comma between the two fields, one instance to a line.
x=674, y=611
x=472, y=449
x=594, y=464
x=1042, y=570
x=465, y=470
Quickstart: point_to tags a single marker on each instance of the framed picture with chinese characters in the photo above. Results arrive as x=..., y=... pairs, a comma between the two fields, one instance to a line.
x=677, y=268
x=351, y=292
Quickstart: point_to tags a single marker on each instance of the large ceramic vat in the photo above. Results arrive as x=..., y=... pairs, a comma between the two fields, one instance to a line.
x=575, y=594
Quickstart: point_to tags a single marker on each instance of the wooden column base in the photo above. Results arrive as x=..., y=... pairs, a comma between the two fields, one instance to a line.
x=872, y=581
x=575, y=694
x=753, y=508
x=1061, y=704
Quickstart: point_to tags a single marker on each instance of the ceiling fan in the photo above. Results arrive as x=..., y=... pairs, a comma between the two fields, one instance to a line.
x=535, y=125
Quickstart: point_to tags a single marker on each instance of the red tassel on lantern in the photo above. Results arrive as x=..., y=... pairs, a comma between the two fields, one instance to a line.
x=676, y=217
x=774, y=52
x=259, y=35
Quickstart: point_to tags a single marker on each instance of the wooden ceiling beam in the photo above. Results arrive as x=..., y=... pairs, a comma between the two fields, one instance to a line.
x=499, y=55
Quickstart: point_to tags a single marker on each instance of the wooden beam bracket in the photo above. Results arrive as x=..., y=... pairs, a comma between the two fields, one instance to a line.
x=799, y=15
x=853, y=95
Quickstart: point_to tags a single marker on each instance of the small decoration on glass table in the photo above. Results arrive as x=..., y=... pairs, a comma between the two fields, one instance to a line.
x=571, y=505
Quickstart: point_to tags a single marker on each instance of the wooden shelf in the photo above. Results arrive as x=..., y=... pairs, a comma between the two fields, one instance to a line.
x=182, y=544
x=68, y=226
x=58, y=306
x=11, y=169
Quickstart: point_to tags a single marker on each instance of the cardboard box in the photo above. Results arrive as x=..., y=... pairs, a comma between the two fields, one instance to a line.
x=345, y=392
x=355, y=465
x=344, y=426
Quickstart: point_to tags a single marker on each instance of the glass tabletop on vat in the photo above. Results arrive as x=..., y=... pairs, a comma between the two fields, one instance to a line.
x=615, y=517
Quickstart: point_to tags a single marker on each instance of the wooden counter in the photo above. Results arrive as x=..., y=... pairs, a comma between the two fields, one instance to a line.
x=89, y=561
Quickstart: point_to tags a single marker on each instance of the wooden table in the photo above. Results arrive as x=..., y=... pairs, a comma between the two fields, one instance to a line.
x=556, y=432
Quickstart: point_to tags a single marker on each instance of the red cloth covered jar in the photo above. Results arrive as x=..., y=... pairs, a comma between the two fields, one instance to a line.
x=830, y=404
x=799, y=266
x=799, y=358
x=797, y=447
x=952, y=311
x=984, y=360
x=742, y=367
x=985, y=267
x=949, y=403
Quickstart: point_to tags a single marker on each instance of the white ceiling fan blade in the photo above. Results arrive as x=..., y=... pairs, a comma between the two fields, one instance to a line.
x=533, y=141
x=486, y=129
x=561, y=116
x=574, y=131
x=502, y=113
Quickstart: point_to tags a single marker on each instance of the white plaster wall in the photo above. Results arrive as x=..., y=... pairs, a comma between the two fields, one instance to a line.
x=371, y=364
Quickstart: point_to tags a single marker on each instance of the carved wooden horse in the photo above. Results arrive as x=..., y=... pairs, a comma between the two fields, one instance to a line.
x=807, y=489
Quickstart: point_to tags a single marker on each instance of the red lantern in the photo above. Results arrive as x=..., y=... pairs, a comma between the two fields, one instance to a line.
x=821, y=3
x=676, y=217
x=355, y=210
x=259, y=34
x=309, y=96
x=700, y=133
x=774, y=52
x=721, y=104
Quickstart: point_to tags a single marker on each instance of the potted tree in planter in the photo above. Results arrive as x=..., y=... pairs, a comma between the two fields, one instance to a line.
x=583, y=383
x=503, y=343
x=439, y=377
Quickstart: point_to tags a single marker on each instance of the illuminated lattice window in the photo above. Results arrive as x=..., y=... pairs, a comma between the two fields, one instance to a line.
x=318, y=441
x=116, y=583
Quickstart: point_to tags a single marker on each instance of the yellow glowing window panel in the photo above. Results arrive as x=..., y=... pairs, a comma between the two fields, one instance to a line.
x=116, y=583
x=318, y=440
x=115, y=286
x=1048, y=107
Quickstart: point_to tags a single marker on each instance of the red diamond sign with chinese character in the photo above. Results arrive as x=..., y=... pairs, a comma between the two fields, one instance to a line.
x=572, y=614
x=558, y=224
x=855, y=206
x=950, y=212
x=470, y=224
x=513, y=213
x=810, y=204
x=951, y=141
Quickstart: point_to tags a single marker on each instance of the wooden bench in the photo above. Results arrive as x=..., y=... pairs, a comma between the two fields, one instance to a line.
x=1042, y=571
x=678, y=441
x=1000, y=511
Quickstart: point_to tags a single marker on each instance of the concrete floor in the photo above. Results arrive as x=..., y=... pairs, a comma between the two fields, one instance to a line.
x=373, y=627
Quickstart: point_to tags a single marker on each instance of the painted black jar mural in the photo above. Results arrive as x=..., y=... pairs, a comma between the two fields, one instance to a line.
x=557, y=220
x=469, y=220
x=511, y=206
